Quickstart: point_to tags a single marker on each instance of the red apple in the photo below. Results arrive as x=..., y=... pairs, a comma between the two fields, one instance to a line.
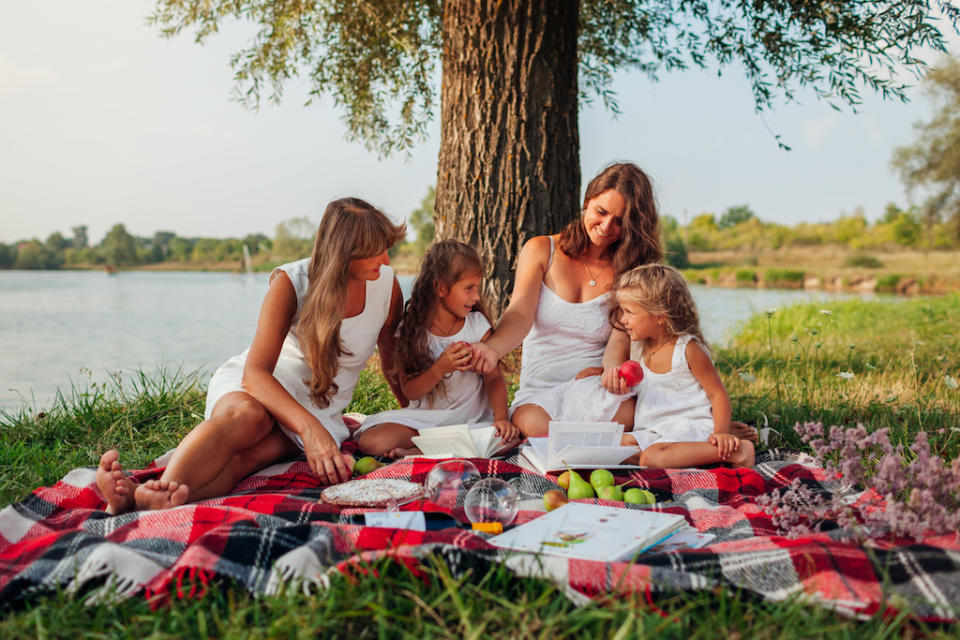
x=631, y=372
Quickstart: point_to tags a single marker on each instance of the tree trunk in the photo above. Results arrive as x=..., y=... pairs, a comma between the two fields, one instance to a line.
x=509, y=150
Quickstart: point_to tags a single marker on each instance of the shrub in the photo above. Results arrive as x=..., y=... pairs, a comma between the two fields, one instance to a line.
x=745, y=276
x=864, y=260
x=888, y=282
x=784, y=278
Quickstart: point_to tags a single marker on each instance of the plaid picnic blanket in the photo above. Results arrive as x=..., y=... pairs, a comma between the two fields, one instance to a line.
x=271, y=531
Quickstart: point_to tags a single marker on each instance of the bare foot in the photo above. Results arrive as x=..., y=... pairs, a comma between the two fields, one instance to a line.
x=399, y=452
x=117, y=488
x=161, y=494
x=745, y=432
x=743, y=456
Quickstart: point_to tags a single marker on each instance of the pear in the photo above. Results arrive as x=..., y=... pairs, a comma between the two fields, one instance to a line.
x=639, y=496
x=564, y=480
x=365, y=465
x=610, y=492
x=554, y=498
x=601, y=478
x=579, y=488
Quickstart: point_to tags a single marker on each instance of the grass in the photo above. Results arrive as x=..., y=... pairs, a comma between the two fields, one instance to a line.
x=784, y=367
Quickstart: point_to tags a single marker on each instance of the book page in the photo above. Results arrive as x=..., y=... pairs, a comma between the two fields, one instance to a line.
x=485, y=439
x=595, y=434
x=455, y=440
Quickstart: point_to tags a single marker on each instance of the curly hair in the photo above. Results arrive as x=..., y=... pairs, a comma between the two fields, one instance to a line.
x=445, y=263
x=640, y=242
x=661, y=291
x=351, y=229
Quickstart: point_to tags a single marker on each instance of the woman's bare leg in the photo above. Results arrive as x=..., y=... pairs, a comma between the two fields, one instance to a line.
x=532, y=420
x=238, y=422
x=626, y=413
x=385, y=438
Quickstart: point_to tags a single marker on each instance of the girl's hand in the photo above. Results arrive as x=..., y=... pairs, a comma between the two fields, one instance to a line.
x=589, y=371
x=323, y=456
x=612, y=382
x=506, y=430
x=456, y=357
x=726, y=444
x=485, y=359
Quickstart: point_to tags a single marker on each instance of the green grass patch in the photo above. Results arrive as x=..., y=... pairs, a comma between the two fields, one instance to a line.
x=864, y=260
x=783, y=278
x=745, y=276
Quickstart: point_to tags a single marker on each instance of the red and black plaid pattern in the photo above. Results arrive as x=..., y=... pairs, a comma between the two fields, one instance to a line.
x=271, y=530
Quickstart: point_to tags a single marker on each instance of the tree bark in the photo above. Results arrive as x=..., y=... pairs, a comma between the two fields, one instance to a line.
x=509, y=150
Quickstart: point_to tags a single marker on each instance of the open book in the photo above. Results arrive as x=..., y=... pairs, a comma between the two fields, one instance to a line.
x=592, y=532
x=580, y=445
x=458, y=441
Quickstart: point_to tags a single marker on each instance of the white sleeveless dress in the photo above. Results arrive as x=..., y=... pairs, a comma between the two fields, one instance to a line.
x=464, y=400
x=358, y=335
x=672, y=406
x=566, y=338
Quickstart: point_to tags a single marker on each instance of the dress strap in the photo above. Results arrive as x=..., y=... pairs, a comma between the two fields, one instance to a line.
x=550, y=259
x=680, y=352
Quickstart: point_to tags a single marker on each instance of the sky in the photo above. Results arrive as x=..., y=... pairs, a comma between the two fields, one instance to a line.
x=104, y=121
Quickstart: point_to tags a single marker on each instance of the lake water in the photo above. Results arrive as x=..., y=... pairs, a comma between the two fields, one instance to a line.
x=59, y=328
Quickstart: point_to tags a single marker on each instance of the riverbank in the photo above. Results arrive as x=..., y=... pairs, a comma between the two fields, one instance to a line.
x=829, y=269
x=841, y=362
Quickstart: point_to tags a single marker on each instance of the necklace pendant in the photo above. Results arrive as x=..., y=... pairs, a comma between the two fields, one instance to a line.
x=593, y=283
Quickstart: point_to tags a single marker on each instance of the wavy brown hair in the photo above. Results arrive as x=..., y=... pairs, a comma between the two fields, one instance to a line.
x=640, y=242
x=661, y=291
x=445, y=263
x=350, y=229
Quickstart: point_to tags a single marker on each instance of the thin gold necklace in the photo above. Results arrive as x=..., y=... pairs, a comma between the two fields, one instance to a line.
x=593, y=280
x=647, y=356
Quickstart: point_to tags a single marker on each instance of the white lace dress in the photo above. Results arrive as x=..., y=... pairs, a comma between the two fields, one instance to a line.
x=359, y=337
x=672, y=406
x=566, y=338
x=464, y=400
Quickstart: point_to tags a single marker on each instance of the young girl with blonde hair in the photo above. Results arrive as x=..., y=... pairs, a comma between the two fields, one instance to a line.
x=320, y=321
x=682, y=417
x=443, y=316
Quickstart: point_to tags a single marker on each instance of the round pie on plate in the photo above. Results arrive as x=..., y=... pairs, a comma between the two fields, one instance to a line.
x=371, y=492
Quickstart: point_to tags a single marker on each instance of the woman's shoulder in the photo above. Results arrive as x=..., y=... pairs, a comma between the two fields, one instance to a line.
x=298, y=272
x=539, y=248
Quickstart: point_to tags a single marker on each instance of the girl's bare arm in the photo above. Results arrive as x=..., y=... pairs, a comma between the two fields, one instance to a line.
x=706, y=374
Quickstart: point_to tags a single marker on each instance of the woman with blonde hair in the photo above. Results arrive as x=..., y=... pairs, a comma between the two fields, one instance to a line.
x=320, y=321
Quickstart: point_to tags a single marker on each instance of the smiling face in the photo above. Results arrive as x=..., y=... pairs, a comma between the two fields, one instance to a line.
x=367, y=268
x=639, y=323
x=603, y=218
x=461, y=297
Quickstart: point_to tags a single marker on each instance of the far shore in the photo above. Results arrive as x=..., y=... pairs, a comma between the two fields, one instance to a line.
x=817, y=268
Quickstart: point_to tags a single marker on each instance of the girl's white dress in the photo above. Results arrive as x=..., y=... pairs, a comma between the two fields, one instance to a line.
x=566, y=338
x=464, y=400
x=672, y=406
x=357, y=334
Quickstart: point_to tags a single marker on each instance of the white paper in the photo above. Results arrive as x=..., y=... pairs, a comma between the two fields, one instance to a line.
x=396, y=519
x=459, y=440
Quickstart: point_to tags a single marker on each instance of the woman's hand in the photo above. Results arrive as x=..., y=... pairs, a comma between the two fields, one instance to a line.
x=726, y=444
x=612, y=382
x=323, y=455
x=456, y=357
x=589, y=371
x=485, y=359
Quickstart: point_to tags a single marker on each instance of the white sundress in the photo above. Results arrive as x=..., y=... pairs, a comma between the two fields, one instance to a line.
x=672, y=406
x=464, y=399
x=357, y=334
x=566, y=338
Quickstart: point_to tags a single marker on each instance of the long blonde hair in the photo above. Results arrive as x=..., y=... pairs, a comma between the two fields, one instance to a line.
x=445, y=262
x=661, y=291
x=351, y=229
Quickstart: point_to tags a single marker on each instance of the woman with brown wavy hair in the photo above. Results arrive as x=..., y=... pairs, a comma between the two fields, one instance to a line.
x=320, y=321
x=561, y=299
